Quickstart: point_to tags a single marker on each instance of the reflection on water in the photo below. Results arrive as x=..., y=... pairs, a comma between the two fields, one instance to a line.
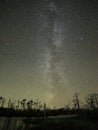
x=19, y=123
x=7, y=123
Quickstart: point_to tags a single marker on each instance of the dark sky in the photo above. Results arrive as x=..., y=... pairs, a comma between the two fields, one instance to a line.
x=48, y=49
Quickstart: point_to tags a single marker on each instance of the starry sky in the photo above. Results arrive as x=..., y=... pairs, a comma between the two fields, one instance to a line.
x=48, y=49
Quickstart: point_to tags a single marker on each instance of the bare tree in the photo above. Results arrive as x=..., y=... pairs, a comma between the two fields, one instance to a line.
x=92, y=101
x=29, y=104
x=2, y=101
x=23, y=103
x=44, y=106
x=76, y=101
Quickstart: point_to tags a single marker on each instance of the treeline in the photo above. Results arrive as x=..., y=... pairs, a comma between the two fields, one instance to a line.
x=35, y=108
x=21, y=104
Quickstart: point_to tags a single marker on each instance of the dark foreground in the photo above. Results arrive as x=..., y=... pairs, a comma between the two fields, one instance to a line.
x=63, y=124
x=49, y=123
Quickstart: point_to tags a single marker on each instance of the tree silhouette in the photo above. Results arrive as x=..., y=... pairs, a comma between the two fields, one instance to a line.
x=92, y=101
x=76, y=101
x=2, y=101
x=23, y=103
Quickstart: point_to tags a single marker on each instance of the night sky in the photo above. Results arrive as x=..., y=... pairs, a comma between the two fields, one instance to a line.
x=48, y=49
